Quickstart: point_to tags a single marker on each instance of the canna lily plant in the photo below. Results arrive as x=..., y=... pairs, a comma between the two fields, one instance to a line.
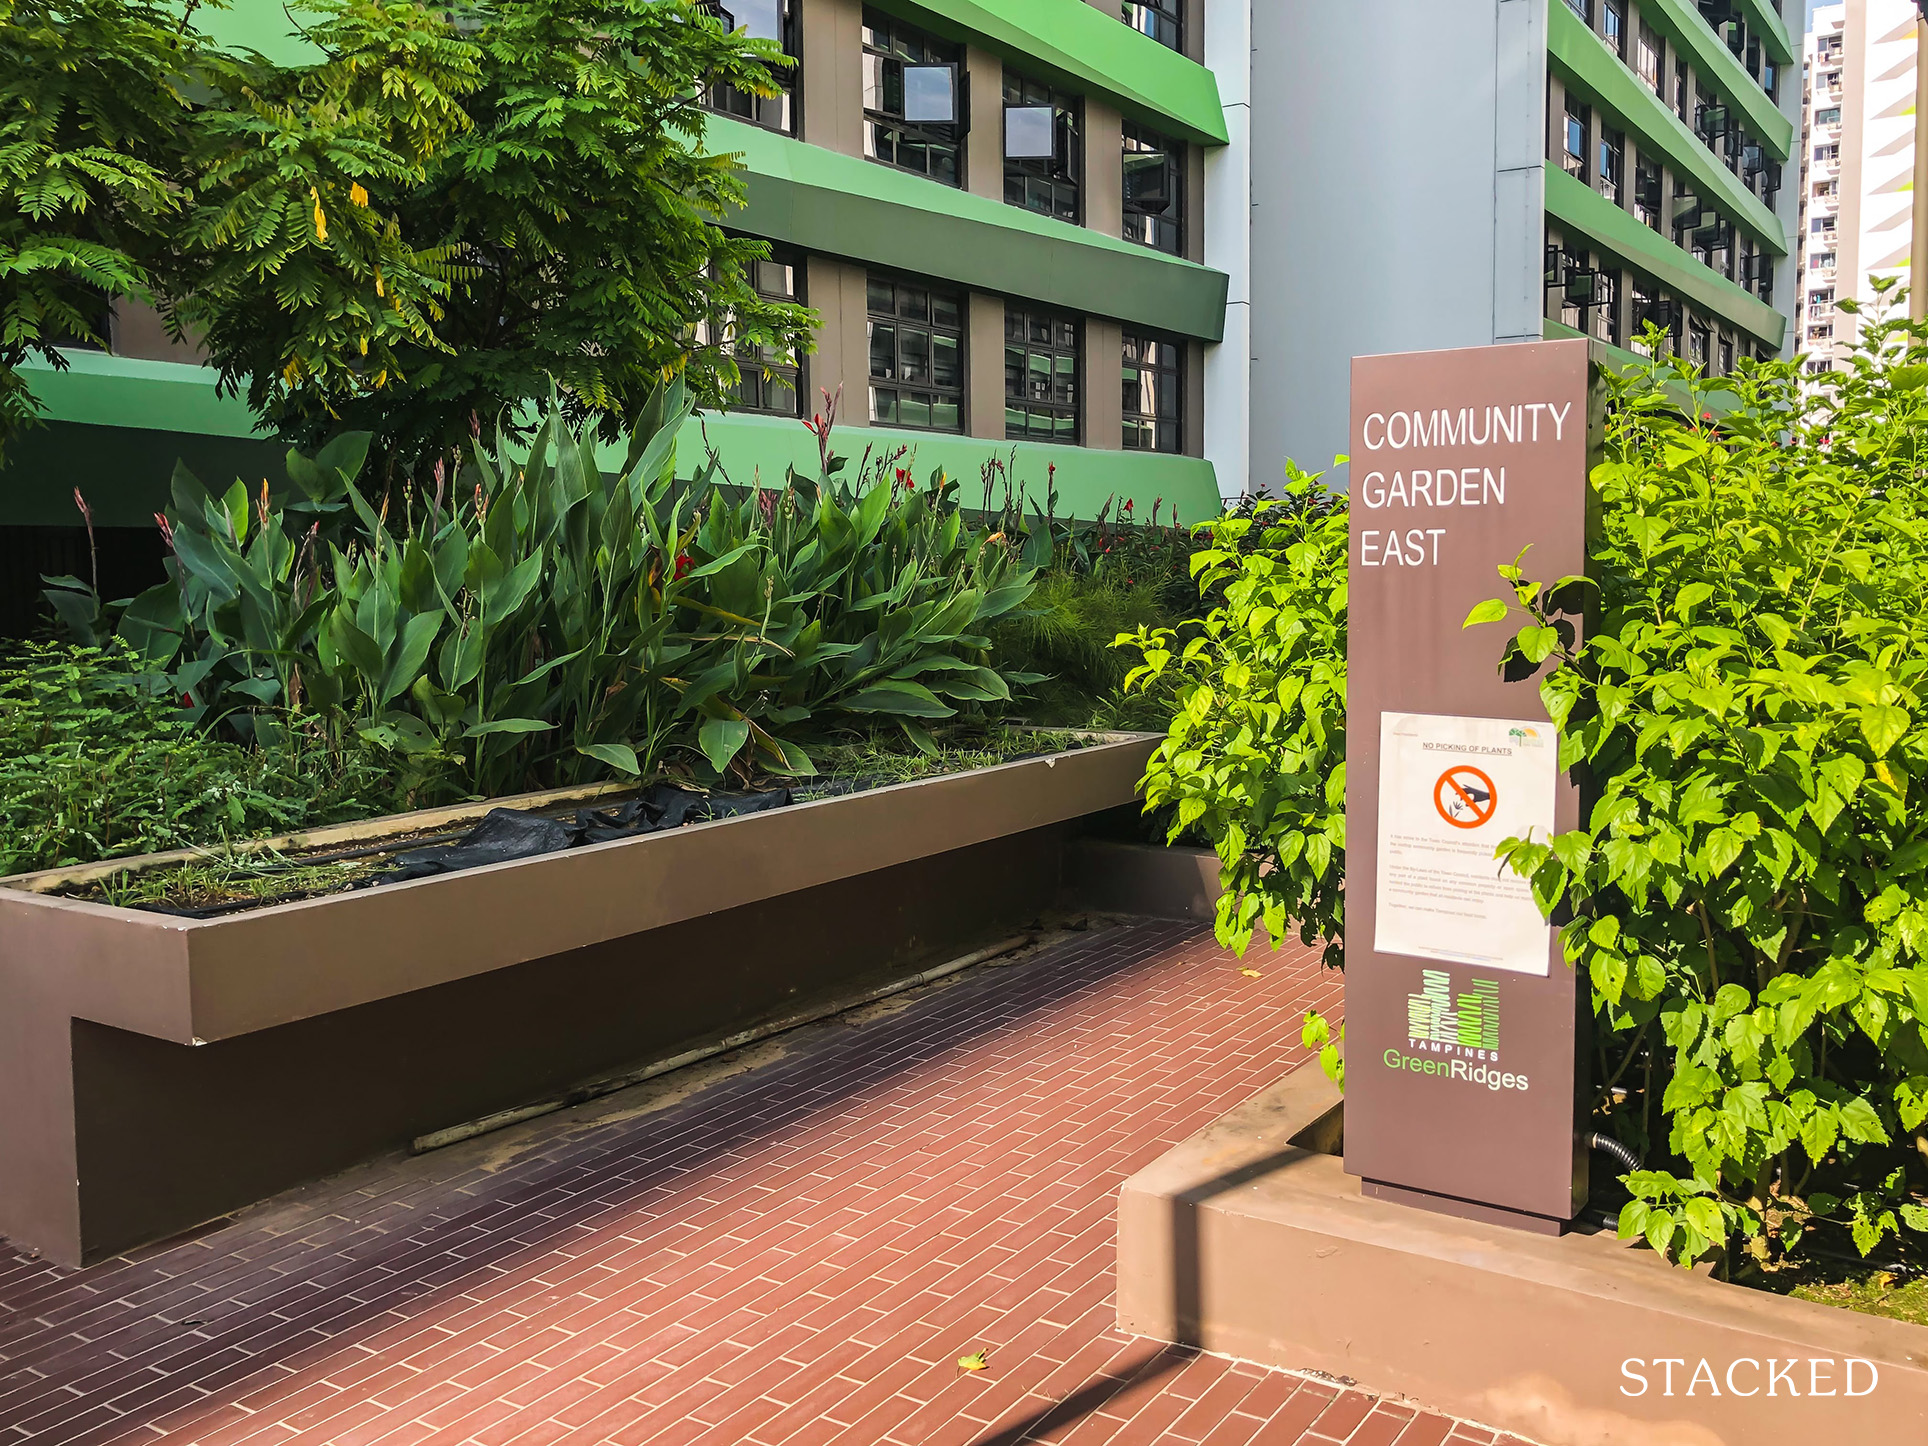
x=546, y=620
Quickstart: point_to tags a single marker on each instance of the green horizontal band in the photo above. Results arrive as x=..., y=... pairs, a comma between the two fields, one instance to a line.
x=764, y=449
x=124, y=471
x=115, y=391
x=1765, y=22
x=846, y=206
x=1583, y=61
x=1682, y=24
x=1611, y=229
x=1082, y=48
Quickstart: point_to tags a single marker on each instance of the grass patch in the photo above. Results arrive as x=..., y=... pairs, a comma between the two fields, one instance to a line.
x=1893, y=1294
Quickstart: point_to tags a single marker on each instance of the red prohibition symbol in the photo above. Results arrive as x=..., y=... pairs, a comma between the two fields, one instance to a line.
x=1465, y=797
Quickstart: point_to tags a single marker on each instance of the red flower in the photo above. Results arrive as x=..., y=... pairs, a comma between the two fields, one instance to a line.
x=1127, y=504
x=682, y=566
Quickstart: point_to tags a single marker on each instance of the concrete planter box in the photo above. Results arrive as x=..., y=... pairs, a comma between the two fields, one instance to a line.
x=1250, y=1239
x=156, y=1072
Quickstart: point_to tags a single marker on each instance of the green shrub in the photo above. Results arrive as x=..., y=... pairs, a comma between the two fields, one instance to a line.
x=94, y=765
x=1749, y=894
x=547, y=622
x=1254, y=759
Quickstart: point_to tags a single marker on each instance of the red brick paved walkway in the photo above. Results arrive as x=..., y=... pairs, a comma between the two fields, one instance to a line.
x=794, y=1253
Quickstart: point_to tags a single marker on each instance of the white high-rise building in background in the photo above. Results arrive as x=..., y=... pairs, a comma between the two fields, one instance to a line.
x=1858, y=161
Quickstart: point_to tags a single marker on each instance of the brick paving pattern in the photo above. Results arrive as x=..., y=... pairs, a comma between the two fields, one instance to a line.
x=795, y=1253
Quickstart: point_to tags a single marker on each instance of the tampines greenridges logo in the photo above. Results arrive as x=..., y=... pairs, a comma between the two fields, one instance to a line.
x=1454, y=1038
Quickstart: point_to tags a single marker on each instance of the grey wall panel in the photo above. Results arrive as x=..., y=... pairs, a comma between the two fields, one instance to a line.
x=1376, y=151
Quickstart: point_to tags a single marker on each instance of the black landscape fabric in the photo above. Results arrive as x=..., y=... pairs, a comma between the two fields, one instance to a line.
x=506, y=833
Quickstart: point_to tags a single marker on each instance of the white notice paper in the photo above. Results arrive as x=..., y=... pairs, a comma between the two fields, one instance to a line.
x=1450, y=790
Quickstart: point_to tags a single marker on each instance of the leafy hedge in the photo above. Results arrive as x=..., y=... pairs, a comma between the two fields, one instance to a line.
x=1749, y=896
x=1254, y=759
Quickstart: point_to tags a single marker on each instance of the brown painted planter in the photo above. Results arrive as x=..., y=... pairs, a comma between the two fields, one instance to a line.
x=156, y=1071
x=1250, y=1239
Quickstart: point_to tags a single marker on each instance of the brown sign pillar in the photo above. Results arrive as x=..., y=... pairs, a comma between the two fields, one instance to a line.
x=1463, y=1020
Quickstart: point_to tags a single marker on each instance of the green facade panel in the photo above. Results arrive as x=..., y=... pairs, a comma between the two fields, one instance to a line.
x=846, y=206
x=1581, y=59
x=1612, y=230
x=114, y=391
x=1764, y=21
x=763, y=449
x=1681, y=22
x=115, y=427
x=1074, y=43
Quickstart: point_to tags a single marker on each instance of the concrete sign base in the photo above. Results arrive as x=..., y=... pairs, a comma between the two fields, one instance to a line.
x=1250, y=1239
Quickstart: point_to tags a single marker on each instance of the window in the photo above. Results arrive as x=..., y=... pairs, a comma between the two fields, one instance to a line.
x=1041, y=380
x=1647, y=58
x=916, y=355
x=1697, y=340
x=1822, y=225
x=1771, y=80
x=1613, y=151
x=1680, y=89
x=1613, y=25
x=1725, y=360
x=912, y=95
x=1043, y=148
x=769, y=380
x=1154, y=390
x=1826, y=188
x=1828, y=116
x=761, y=20
x=1829, y=152
x=1604, y=322
x=1162, y=20
x=1582, y=8
x=1574, y=145
x=1821, y=261
x=1647, y=307
x=1154, y=190
x=1646, y=194
x=1579, y=285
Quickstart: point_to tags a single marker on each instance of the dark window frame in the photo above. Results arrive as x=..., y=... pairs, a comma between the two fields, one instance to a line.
x=901, y=382
x=1160, y=20
x=1610, y=165
x=754, y=386
x=1062, y=177
x=887, y=43
x=1165, y=429
x=1065, y=343
x=1160, y=230
x=727, y=100
x=1613, y=26
x=1577, y=126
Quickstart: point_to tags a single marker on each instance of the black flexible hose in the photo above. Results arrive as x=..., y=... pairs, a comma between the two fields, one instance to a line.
x=1608, y=1145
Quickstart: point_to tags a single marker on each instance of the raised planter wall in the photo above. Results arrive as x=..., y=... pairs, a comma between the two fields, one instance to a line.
x=156, y=1072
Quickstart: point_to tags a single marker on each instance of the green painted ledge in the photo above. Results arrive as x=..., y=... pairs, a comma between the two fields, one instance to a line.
x=114, y=427
x=1680, y=20
x=1583, y=61
x=763, y=449
x=1763, y=20
x=111, y=391
x=1073, y=41
x=1616, y=232
x=823, y=200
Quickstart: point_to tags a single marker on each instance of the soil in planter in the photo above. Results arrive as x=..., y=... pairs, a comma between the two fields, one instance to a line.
x=237, y=878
